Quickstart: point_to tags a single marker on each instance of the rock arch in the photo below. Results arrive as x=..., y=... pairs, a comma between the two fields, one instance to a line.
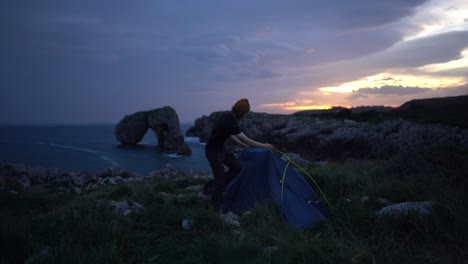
x=163, y=121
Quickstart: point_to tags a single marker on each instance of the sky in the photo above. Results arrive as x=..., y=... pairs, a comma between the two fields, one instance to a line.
x=95, y=61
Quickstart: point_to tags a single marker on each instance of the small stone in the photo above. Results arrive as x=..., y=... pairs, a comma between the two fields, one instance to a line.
x=110, y=180
x=194, y=188
x=127, y=212
x=89, y=186
x=365, y=200
x=76, y=190
x=185, y=224
x=126, y=208
x=137, y=208
x=247, y=213
x=119, y=179
x=63, y=189
x=166, y=195
x=77, y=179
x=231, y=219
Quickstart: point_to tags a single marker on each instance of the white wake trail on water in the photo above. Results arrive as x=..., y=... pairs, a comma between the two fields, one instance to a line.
x=97, y=153
x=174, y=156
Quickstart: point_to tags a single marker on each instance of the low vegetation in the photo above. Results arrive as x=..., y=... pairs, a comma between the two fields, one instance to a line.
x=59, y=228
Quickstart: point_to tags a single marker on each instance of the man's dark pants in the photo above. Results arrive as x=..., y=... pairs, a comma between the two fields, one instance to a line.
x=217, y=161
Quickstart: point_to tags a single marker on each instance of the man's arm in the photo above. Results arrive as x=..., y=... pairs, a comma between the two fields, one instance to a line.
x=238, y=141
x=246, y=140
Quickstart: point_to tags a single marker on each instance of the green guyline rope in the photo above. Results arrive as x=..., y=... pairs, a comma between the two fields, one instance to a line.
x=304, y=171
x=282, y=180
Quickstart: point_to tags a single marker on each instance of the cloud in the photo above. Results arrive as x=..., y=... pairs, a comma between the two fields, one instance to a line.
x=405, y=58
x=385, y=91
x=375, y=13
x=453, y=91
x=151, y=53
x=296, y=105
x=423, y=51
x=212, y=39
x=204, y=53
x=238, y=74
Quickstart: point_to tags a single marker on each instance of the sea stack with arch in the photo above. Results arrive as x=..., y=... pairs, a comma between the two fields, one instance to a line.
x=163, y=121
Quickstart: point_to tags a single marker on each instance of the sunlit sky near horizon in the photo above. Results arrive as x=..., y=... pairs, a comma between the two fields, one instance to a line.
x=86, y=61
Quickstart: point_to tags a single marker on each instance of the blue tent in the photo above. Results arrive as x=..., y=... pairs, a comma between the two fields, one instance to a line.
x=261, y=180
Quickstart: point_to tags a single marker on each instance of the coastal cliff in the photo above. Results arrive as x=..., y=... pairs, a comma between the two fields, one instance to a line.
x=378, y=133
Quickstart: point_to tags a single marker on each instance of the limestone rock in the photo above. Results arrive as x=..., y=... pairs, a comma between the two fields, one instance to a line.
x=14, y=176
x=76, y=190
x=231, y=219
x=126, y=208
x=20, y=183
x=164, y=122
x=416, y=213
x=375, y=204
x=194, y=188
x=406, y=208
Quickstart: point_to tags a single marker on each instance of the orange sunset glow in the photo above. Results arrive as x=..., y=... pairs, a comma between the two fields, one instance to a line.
x=401, y=72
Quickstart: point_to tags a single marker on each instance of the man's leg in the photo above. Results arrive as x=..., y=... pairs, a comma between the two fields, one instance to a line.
x=234, y=167
x=208, y=188
x=216, y=164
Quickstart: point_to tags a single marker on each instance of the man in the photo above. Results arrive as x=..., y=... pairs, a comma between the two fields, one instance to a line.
x=227, y=127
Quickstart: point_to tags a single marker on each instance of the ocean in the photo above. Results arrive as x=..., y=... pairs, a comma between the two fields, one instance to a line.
x=91, y=147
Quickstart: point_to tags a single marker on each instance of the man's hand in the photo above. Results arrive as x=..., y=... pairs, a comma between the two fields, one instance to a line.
x=267, y=146
x=244, y=146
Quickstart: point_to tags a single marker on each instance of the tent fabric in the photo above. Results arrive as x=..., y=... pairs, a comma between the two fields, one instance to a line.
x=261, y=180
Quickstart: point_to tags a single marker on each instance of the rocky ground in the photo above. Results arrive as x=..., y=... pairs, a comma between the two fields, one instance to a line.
x=19, y=178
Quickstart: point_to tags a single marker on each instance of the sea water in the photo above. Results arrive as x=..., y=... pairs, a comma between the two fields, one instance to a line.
x=91, y=147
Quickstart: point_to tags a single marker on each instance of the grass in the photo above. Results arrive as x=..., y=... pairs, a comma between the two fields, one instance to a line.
x=81, y=229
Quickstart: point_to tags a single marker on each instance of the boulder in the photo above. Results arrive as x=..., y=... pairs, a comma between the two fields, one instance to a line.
x=416, y=213
x=14, y=177
x=231, y=219
x=164, y=123
x=405, y=209
x=375, y=204
x=126, y=208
